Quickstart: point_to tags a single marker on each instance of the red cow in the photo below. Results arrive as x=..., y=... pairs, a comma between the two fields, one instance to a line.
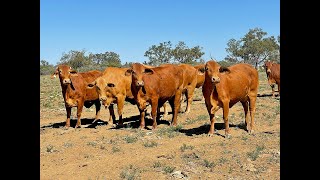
x=75, y=93
x=273, y=74
x=114, y=87
x=224, y=87
x=155, y=86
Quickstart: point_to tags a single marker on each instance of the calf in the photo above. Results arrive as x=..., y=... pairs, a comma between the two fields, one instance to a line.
x=273, y=75
x=114, y=87
x=155, y=86
x=224, y=87
x=75, y=93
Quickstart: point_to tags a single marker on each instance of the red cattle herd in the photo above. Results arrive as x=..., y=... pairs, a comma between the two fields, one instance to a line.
x=143, y=85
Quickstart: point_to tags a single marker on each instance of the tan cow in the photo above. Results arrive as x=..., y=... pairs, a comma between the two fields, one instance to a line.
x=75, y=93
x=273, y=75
x=114, y=87
x=156, y=86
x=200, y=75
x=225, y=86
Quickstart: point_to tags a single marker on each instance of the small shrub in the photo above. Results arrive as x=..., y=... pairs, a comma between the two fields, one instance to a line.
x=185, y=147
x=130, y=139
x=156, y=164
x=254, y=154
x=168, y=169
x=130, y=173
x=93, y=144
x=50, y=148
x=208, y=164
x=150, y=144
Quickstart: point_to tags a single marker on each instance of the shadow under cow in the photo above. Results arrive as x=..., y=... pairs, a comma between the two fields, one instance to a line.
x=204, y=129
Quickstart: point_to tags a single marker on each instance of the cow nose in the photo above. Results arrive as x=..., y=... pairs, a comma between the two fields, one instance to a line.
x=66, y=81
x=215, y=79
x=140, y=83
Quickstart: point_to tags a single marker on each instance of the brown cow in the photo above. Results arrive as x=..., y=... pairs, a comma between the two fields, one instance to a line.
x=200, y=75
x=114, y=87
x=75, y=93
x=224, y=87
x=155, y=86
x=273, y=74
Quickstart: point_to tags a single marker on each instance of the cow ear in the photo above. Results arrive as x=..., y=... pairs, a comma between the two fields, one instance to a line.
x=202, y=70
x=224, y=69
x=128, y=72
x=148, y=71
x=110, y=85
x=55, y=73
x=91, y=85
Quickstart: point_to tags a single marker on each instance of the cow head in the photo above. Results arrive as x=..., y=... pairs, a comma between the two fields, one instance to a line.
x=267, y=66
x=213, y=70
x=104, y=89
x=137, y=71
x=65, y=72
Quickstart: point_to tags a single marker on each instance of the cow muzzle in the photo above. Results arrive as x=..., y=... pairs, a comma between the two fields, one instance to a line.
x=140, y=83
x=66, y=81
x=268, y=71
x=215, y=79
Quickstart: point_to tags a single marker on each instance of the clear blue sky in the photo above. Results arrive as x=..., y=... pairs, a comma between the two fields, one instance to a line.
x=130, y=27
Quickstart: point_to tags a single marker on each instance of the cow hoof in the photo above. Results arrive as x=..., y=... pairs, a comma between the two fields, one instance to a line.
x=228, y=136
x=250, y=131
x=210, y=134
x=66, y=127
x=77, y=126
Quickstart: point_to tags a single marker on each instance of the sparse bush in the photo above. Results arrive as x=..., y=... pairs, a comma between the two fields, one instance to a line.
x=150, y=144
x=130, y=139
x=254, y=154
x=50, y=148
x=168, y=169
x=93, y=144
x=156, y=164
x=130, y=173
x=208, y=164
x=185, y=147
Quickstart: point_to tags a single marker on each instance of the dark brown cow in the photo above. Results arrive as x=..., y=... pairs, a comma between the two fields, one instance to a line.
x=273, y=74
x=155, y=86
x=75, y=93
x=200, y=75
x=224, y=87
x=114, y=87
x=189, y=83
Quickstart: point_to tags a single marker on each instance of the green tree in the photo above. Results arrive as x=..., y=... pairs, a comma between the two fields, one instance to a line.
x=160, y=54
x=183, y=54
x=76, y=59
x=46, y=68
x=107, y=59
x=254, y=48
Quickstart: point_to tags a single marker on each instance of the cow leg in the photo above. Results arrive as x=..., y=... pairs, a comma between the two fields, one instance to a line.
x=165, y=112
x=98, y=107
x=79, y=111
x=211, y=131
x=142, y=116
x=68, y=109
x=225, y=118
x=120, y=102
x=252, y=108
x=246, y=114
x=112, y=117
x=189, y=96
x=272, y=87
x=176, y=105
x=154, y=107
